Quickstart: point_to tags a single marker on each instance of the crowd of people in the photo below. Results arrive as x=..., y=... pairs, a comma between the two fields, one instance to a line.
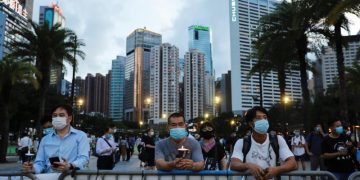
x=263, y=153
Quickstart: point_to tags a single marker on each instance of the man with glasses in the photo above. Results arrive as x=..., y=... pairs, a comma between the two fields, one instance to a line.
x=65, y=149
x=178, y=151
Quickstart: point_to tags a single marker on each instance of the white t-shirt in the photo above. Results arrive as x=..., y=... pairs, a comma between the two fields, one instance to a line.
x=259, y=153
x=298, y=151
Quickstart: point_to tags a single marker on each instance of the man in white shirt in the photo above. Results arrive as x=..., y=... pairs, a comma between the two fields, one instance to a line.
x=263, y=151
x=105, y=148
x=24, y=146
x=298, y=148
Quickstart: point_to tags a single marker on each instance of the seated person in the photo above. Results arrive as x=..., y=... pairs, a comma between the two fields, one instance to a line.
x=178, y=151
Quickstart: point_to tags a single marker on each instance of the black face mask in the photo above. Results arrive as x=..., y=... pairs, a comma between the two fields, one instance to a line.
x=207, y=134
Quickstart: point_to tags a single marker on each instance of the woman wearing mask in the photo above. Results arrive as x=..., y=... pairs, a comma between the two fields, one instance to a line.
x=123, y=147
x=105, y=148
x=150, y=148
x=213, y=152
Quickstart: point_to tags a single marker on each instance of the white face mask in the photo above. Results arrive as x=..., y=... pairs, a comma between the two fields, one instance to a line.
x=151, y=133
x=59, y=122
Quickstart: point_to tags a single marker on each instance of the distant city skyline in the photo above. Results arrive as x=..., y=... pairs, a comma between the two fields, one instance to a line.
x=105, y=34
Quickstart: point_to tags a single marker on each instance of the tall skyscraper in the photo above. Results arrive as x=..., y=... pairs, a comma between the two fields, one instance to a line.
x=225, y=92
x=117, y=83
x=137, y=72
x=194, y=89
x=13, y=15
x=164, y=82
x=244, y=19
x=79, y=90
x=329, y=65
x=199, y=38
x=96, y=94
x=52, y=15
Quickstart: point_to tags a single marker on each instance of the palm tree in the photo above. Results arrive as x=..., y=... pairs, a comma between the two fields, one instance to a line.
x=11, y=72
x=273, y=49
x=77, y=44
x=334, y=13
x=46, y=47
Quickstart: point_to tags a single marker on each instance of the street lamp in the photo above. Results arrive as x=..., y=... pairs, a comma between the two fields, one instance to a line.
x=217, y=102
x=147, y=103
x=286, y=100
x=206, y=116
x=164, y=116
x=232, y=122
x=141, y=123
x=201, y=122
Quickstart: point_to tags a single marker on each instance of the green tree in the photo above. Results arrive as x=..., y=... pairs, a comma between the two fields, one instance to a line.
x=334, y=13
x=46, y=47
x=76, y=45
x=11, y=73
x=274, y=48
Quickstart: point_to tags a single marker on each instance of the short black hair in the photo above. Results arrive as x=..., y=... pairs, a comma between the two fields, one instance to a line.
x=251, y=113
x=66, y=107
x=45, y=119
x=105, y=130
x=332, y=121
x=207, y=124
x=112, y=125
x=175, y=115
x=148, y=129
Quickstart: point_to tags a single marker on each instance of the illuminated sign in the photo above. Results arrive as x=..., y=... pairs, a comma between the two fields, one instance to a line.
x=233, y=11
x=201, y=28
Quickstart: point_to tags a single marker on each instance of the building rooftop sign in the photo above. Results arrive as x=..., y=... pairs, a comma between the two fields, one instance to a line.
x=201, y=28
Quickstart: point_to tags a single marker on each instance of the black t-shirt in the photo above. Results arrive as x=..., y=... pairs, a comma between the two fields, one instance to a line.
x=341, y=164
x=211, y=161
x=149, y=140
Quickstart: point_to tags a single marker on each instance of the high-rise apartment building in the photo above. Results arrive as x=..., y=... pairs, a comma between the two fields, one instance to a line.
x=96, y=94
x=200, y=39
x=137, y=72
x=52, y=15
x=329, y=65
x=194, y=88
x=117, y=86
x=244, y=18
x=13, y=15
x=79, y=90
x=164, y=82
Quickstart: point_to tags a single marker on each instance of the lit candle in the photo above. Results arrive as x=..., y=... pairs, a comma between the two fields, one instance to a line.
x=182, y=152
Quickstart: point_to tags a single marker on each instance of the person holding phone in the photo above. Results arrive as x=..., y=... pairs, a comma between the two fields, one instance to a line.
x=64, y=149
x=178, y=151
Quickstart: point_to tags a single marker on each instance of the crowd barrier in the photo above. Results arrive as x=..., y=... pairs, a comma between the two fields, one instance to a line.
x=182, y=175
x=16, y=175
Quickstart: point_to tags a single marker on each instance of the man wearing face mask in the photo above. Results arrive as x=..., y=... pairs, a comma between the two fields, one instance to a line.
x=68, y=145
x=259, y=154
x=298, y=147
x=313, y=148
x=336, y=151
x=213, y=151
x=178, y=151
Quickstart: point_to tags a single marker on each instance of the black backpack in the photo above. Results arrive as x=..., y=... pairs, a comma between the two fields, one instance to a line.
x=273, y=142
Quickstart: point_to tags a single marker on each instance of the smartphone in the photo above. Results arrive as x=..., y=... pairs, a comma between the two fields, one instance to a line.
x=54, y=159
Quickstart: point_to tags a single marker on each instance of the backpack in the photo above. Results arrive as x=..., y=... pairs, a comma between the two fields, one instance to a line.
x=274, y=143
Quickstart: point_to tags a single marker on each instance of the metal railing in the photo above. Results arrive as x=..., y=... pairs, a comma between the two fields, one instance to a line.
x=180, y=175
x=354, y=176
x=17, y=175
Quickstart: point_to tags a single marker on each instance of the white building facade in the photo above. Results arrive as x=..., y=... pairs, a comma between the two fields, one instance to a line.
x=194, y=84
x=164, y=82
x=244, y=17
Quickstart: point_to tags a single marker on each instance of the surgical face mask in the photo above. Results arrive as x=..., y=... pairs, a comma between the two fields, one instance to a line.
x=178, y=133
x=59, y=122
x=47, y=131
x=108, y=136
x=151, y=133
x=261, y=126
x=207, y=134
x=297, y=134
x=339, y=130
x=317, y=129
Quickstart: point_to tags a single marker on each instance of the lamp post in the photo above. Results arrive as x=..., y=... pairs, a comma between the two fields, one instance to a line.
x=79, y=103
x=217, y=102
x=286, y=100
x=141, y=123
x=147, y=103
x=206, y=116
